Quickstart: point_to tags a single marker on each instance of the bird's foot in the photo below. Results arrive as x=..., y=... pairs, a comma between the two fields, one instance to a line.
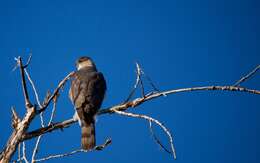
x=76, y=118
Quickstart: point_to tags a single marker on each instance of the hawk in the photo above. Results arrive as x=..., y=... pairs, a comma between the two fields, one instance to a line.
x=88, y=87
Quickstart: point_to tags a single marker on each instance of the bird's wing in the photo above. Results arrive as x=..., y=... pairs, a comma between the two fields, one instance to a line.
x=95, y=92
x=87, y=91
x=75, y=87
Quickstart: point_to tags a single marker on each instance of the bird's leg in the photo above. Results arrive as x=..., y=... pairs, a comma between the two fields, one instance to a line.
x=76, y=118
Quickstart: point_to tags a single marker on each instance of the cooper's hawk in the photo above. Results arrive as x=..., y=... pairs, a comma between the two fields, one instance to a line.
x=87, y=91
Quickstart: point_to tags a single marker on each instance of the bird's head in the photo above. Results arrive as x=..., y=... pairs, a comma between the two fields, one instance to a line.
x=85, y=62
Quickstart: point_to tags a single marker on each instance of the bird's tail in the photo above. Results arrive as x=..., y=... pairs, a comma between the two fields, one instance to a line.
x=88, y=140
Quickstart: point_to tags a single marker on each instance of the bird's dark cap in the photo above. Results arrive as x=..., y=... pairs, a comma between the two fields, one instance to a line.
x=84, y=58
x=85, y=62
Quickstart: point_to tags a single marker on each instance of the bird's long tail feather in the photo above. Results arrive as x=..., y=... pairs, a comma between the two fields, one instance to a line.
x=88, y=140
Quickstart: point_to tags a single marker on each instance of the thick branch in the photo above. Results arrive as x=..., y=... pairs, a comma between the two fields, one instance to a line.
x=17, y=135
x=50, y=128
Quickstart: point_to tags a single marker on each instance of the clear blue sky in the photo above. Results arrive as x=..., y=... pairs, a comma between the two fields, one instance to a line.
x=179, y=43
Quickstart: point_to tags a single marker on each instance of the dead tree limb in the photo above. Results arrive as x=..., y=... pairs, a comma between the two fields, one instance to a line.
x=249, y=75
x=20, y=133
x=97, y=148
x=24, y=85
x=132, y=104
x=153, y=120
x=22, y=127
x=32, y=111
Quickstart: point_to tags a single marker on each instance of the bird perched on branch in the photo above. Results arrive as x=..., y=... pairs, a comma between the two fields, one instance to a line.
x=87, y=91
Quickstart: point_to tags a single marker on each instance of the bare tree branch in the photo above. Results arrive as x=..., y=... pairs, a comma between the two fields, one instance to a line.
x=150, y=119
x=19, y=152
x=50, y=128
x=28, y=61
x=15, y=119
x=53, y=112
x=24, y=153
x=100, y=147
x=25, y=92
x=140, y=73
x=250, y=74
x=137, y=82
x=157, y=139
x=34, y=88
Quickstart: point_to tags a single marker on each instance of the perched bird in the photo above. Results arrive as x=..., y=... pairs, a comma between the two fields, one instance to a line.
x=88, y=87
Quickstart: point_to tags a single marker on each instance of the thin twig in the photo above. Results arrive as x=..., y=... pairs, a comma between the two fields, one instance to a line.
x=35, y=150
x=150, y=119
x=149, y=80
x=52, y=112
x=100, y=147
x=137, y=81
x=33, y=87
x=139, y=74
x=250, y=74
x=19, y=152
x=24, y=153
x=41, y=119
x=157, y=140
x=59, y=155
x=28, y=61
x=142, y=88
x=16, y=65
